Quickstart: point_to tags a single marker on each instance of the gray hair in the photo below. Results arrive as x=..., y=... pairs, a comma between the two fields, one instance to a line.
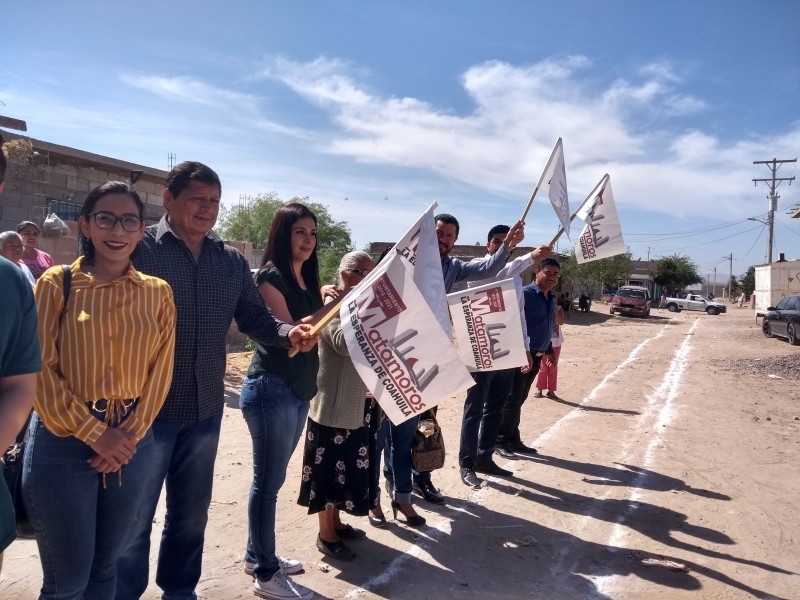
x=7, y=235
x=350, y=261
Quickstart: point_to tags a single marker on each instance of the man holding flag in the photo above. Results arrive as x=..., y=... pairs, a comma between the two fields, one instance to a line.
x=453, y=271
x=540, y=314
x=485, y=400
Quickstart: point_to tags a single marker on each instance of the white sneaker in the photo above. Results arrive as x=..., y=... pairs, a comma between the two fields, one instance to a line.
x=290, y=566
x=281, y=587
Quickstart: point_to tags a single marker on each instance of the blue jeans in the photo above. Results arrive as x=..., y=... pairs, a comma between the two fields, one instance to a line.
x=81, y=527
x=397, y=457
x=483, y=412
x=275, y=416
x=184, y=457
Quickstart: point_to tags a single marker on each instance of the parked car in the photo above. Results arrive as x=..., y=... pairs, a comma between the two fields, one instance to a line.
x=784, y=320
x=631, y=300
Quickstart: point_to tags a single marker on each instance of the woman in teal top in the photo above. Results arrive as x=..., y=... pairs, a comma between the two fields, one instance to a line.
x=276, y=393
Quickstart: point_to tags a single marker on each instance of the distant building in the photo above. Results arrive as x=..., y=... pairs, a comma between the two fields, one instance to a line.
x=44, y=178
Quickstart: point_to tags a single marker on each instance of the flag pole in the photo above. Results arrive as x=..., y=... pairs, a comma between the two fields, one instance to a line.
x=527, y=208
x=329, y=314
x=591, y=195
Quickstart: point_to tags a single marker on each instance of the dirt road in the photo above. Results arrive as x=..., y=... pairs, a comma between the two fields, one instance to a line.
x=663, y=473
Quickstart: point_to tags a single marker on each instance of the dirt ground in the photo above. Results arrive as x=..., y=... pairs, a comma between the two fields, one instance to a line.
x=663, y=472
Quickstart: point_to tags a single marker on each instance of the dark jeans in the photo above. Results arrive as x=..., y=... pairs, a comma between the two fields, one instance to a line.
x=184, y=458
x=512, y=411
x=81, y=525
x=483, y=408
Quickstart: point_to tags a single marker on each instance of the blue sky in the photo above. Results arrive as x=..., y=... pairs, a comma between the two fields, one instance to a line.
x=376, y=109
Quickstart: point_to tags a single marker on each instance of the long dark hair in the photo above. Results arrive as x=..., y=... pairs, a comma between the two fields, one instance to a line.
x=279, y=247
x=85, y=245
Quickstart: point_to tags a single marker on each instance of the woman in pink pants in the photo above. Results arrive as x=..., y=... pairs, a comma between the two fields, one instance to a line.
x=548, y=367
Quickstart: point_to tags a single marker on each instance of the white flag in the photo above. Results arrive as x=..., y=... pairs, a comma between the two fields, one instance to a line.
x=554, y=182
x=419, y=247
x=487, y=327
x=602, y=235
x=398, y=350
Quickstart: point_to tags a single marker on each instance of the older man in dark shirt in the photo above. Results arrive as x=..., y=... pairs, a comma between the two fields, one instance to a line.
x=212, y=285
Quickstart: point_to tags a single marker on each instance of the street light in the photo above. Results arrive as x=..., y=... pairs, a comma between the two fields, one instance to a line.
x=769, y=241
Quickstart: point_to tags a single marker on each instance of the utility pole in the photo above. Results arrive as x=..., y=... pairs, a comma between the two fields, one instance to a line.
x=730, y=277
x=774, y=182
x=715, y=281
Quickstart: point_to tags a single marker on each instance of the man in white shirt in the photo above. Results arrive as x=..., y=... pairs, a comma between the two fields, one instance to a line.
x=484, y=402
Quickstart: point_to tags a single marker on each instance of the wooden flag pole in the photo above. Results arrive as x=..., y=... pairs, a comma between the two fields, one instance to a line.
x=527, y=208
x=327, y=314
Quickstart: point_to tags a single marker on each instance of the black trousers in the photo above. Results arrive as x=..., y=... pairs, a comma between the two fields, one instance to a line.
x=483, y=408
x=512, y=411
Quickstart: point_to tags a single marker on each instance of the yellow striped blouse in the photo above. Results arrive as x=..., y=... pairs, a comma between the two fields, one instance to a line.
x=116, y=341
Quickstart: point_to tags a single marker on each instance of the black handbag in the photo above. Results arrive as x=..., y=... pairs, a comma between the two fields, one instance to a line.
x=427, y=452
x=13, y=457
x=12, y=473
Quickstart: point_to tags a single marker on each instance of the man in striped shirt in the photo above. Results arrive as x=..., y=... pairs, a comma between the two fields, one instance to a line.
x=212, y=285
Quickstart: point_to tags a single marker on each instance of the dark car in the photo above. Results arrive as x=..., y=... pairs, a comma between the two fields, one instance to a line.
x=784, y=320
x=631, y=300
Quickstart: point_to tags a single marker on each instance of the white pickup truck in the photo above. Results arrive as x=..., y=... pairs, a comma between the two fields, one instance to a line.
x=695, y=302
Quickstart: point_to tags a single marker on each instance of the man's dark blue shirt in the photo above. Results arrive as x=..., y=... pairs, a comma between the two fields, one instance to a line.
x=209, y=293
x=540, y=316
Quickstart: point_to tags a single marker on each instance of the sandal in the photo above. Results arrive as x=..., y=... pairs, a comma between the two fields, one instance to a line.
x=336, y=549
x=348, y=532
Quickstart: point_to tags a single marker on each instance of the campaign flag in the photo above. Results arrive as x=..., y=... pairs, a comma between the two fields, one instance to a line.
x=399, y=351
x=419, y=248
x=554, y=182
x=487, y=327
x=602, y=235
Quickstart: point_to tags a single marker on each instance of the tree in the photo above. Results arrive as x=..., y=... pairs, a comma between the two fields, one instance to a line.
x=252, y=222
x=676, y=272
x=748, y=282
x=734, y=286
x=591, y=275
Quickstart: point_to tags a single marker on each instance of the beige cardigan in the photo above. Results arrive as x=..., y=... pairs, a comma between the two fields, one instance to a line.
x=340, y=391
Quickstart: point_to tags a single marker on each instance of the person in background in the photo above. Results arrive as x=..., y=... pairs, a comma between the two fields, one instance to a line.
x=107, y=360
x=36, y=260
x=548, y=367
x=341, y=433
x=212, y=285
x=20, y=360
x=11, y=249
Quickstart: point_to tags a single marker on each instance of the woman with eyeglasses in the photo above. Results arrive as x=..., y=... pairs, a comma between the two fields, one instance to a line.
x=107, y=360
x=340, y=454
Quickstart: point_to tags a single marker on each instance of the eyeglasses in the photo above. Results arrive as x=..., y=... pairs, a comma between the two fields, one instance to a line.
x=107, y=220
x=362, y=272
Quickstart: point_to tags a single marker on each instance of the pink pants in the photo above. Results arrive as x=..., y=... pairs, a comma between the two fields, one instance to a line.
x=548, y=376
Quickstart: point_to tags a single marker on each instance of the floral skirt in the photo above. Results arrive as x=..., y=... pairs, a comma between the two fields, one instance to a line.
x=338, y=466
